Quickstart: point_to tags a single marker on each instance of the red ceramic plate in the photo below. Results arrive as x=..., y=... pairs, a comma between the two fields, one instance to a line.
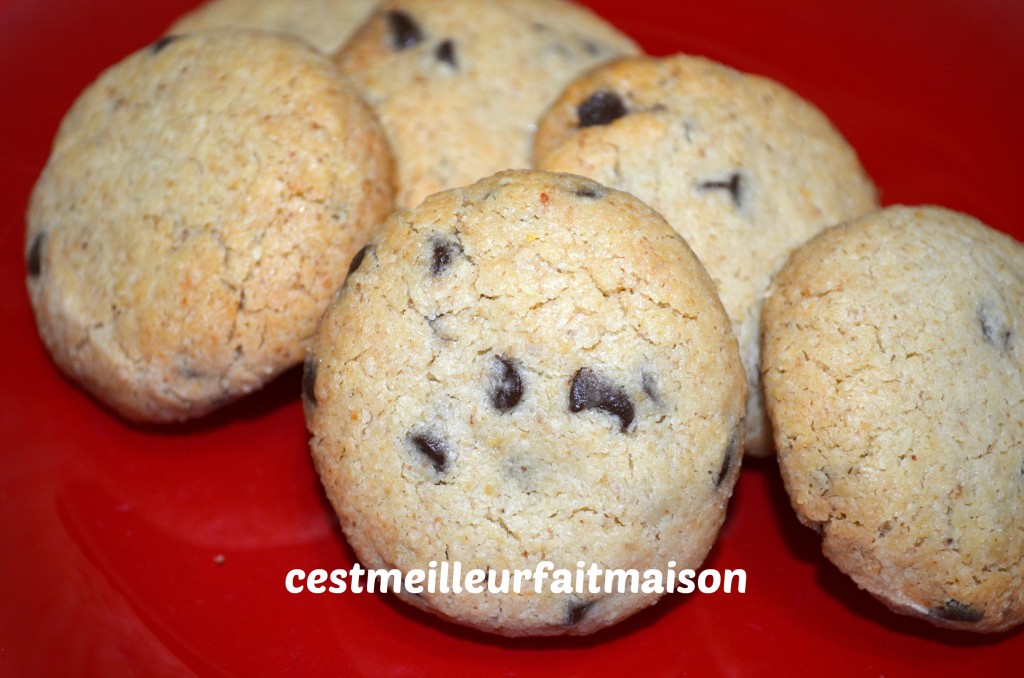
x=163, y=551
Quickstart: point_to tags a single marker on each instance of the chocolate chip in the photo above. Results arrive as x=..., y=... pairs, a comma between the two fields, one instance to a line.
x=591, y=391
x=588, y=192
x=441, y=259
x=734, y=185
x=434, y=449
x=994, y=327
x=727, y=459
x=445, y=53
x=954, y=610
x=575, y=611
x=159, y=45
x=441, y=253
x=405, y=33
x=507, y=388
x=357, y=260
x=35, y=255
x=600, y=108
x=309, y=380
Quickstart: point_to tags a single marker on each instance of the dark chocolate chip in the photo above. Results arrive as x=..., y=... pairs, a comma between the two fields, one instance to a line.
x=35, y=255
x=507, y=388
x=159, y=45
x=405, y=33
x=309, y=380
x=994, y=327
x=600, y=108
x=357, y=260
x=588, y=192
x=954, y=610
x=445, y=53
x=575, y=611
x=441, y=253
x=591, y=391
x=440, y=259
x=734, y=185
x=434, y=449
x=727, y=460
x=591, y=48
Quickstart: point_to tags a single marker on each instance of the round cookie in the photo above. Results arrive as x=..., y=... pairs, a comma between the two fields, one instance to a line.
x=325, y=24
x=742, y=167
x=459, y=98
x=531, y=368
x=894, y=376
x=199, y=208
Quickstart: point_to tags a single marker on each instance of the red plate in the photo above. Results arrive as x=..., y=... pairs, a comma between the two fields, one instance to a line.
x=164, y=550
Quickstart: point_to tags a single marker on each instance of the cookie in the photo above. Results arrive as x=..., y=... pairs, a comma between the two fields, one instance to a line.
x=325, y=24
x=531, y=368
x=894, y=376
x=741, y=166
x=199, y=208
x=458, y=85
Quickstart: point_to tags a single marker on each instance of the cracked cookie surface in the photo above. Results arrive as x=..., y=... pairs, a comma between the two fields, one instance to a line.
x=894, y=376
x=325, y=24
x=201, y=203
x=741, y=167
x=459, y=85
x=566, y=387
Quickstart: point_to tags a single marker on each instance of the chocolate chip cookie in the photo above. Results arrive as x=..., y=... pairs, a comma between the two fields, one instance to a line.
x=458, y=85
x=201, y=202
x=535, y=367
x=894, y=376
x=741, y=166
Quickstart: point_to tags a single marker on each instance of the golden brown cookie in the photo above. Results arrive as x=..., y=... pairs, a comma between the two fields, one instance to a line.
x=742, y=167
x=894, y=376
x=532, y=368
x=200, y=206
x=458, y=85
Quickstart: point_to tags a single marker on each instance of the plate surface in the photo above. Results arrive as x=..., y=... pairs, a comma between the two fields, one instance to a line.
x=163, y=551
